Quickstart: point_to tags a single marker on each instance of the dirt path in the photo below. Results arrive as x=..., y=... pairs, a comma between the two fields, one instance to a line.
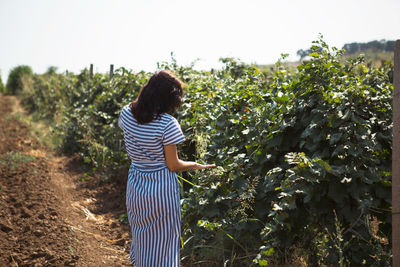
x=49, y=216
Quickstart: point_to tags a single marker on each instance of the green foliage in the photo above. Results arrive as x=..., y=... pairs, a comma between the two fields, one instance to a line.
x=123, y=218
x=2, y=88
x=15, y=78
x=86, y=112
x=334, y=149
x=304, y=156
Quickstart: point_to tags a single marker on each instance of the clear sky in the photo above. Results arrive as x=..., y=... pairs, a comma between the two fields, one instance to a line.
x=136, y=34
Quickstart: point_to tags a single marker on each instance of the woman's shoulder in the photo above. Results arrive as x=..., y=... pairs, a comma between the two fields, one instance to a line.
x=126, y=111
x=169, y=122
x=126, y=115
x=127, y=108
x=166, y=118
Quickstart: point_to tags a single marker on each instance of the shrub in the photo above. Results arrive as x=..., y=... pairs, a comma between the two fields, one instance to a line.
x=2, y=88
x=14, y=81
x=304, y=157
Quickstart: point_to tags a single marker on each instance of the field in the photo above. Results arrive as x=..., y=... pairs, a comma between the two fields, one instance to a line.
x=303, y=154
x=44, y=204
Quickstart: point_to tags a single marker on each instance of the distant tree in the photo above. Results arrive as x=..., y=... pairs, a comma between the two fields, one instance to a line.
x=303, y=53
x=376, y=46
x=352, y=48
x=51, y=70
x=389, y=46
x=14, y=81
x=2, y=88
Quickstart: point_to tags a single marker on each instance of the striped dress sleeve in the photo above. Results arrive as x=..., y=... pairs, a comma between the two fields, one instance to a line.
x=121, y=119
x=172, y=134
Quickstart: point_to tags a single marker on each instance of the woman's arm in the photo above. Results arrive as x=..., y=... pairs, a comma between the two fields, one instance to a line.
x=176, y=165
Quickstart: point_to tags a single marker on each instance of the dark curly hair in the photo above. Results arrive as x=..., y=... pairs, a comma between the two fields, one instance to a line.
x=163, y=93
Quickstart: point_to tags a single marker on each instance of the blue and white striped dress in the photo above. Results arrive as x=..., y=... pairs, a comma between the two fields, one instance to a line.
x=152, y=194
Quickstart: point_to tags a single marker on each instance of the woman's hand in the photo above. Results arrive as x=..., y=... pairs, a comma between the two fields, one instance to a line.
x=199, y=166
x=177, y=165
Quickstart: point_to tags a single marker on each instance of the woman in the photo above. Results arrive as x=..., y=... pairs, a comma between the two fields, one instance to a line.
x=152, y=195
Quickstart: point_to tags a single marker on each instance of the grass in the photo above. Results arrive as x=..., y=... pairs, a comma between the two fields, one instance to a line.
x=14, y=159
x=38, y=127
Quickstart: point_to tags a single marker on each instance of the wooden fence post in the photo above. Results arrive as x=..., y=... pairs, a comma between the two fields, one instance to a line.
x=91, y=71
x=111, y=71
x=396, y=158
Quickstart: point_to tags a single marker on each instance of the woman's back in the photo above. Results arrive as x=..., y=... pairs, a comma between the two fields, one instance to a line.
x=144, y=142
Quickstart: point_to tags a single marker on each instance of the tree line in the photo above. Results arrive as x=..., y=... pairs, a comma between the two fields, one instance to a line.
x=358, y=47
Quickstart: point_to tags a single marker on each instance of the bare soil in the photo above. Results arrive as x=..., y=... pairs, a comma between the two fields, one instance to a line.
x=51, y=213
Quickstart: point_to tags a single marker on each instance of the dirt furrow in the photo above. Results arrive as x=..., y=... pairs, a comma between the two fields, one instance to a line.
x=49, y=215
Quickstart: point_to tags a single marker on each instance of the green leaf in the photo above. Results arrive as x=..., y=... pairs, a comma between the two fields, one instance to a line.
x=324, y=164
x=282, y=99
x=314, y=54
x=263, y=262
x=334, y=138
x=269, y=252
